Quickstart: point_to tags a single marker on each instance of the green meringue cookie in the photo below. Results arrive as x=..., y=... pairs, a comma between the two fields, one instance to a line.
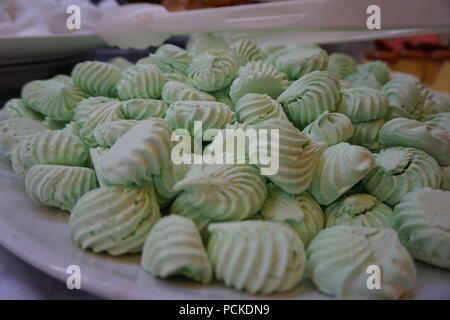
x=260, y=66
x=56, y=97
x=121, y=63
x=174, y=91
x=440, y=104
x=106, y=134
x=48, y=147
x=169, y=59
x=378, y=68
x=115, y=220
x=363, y=104
x=339, y=259
x=400, y=170
x=212, y=70
x=292, y=48
x=97, y=78
x=342, y=64
x=173, y=76
x=330, y=128
x=256, y=256
x=405, y=98
x=93, y=112
x=439, y=121
x=219, y=192
x=267, y=49
x=13, y=130
x=345, y=84
x=422, y=221
x=71, y=129
x=404, y=76
x=359, y=210
x=366, y=134
x=142, y=109
x=212, y=114
x=16, y=108
x=301, y=212
x=224, y=97
x=58, y=186
x=140, y=82
x=297, y=155
x=364, y=79
x=310, y=96
x=445, y=173
x=55, y=124
x=165, y=182
x=174, y=247
x=244, y=51
x=340, y=167
x=256, y=107
x=200, y=42
x=411, y=133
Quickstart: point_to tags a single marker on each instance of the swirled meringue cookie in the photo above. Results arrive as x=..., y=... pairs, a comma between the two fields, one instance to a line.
x=405, y=99
x=173, y=76
x=366, y=134
x=212, y=114
x=224, y=97
x=440, y=104
x=141, y=152
x=97, y=78
x=310, y=96
x=342, y=64
x=378, y=68
x=121, y=63
x=422, y=221
x=93, y=112
x=165, y=182
x=345, y=84
x=106, y=134
x=330, y=128
x=141, y=82
x=169, y=59
x=301, y=212
x=340, y=261
x=445, y=173
x=340, y=167
x=364, y=79
x=15, y=129
x=200, y=42
x=256, y=256
x=244, y=51
x=174, y=247
x=56, y=97
x=363, y=104
x=71, y=129
x=439, y=121
x=256, y=107
x=16, y=108
x=411, y=133
x=212, y=70
x=48, y=147
x=58, y=186
x=404, y=76
x=174, y=91
x=115, y=220
x=54, y=124
x=400, y=170
x=142, y=109
x=359, y=210
x=219, y=192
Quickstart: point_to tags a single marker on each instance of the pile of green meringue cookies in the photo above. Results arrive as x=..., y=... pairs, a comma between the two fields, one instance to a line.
x=363, y=179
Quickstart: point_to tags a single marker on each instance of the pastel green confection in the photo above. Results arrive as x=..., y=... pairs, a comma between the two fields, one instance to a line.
x=445, y=173
x=364, y=79
x=260, y=66
x=71, y=129
x=256, y=256
x=301, y=212
x=58, y=186
x=411, y=133
x=120, y=62
x=359, y=210
x=212, y=114
x=339, y=259
x=404, y=76
x=256, y=107
x=363, y=104
x=366, y=134
x=405, y=99
x=48, y=147
x=291, y=48
x=142, y=109
x=165, y=182
x=378, y=68
x=56, y=97
x=93, y=112
x=440, y=104
x=173, y=76
x=330, y=128
x=267, y=49
x=297, y=155
x=97, y=78
x=400, y=170
x=342, y=64
x=244, y=51
x=169, y=58
x=55, y=124
x=224, y=97
x=174, y=91
x=200, y=42
x=345, y=84
x=212, y=70
x=141, y=82
x=439, y=121
x=106, y=134
x=174, y=247
x=16, y=108
x=422, y=221
x=310, y=96
x=13, y=130
x=219, y=192
x=115, y=220
x=340, y=167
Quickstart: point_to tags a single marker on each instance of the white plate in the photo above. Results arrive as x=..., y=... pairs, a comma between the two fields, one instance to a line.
x=17, y=50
